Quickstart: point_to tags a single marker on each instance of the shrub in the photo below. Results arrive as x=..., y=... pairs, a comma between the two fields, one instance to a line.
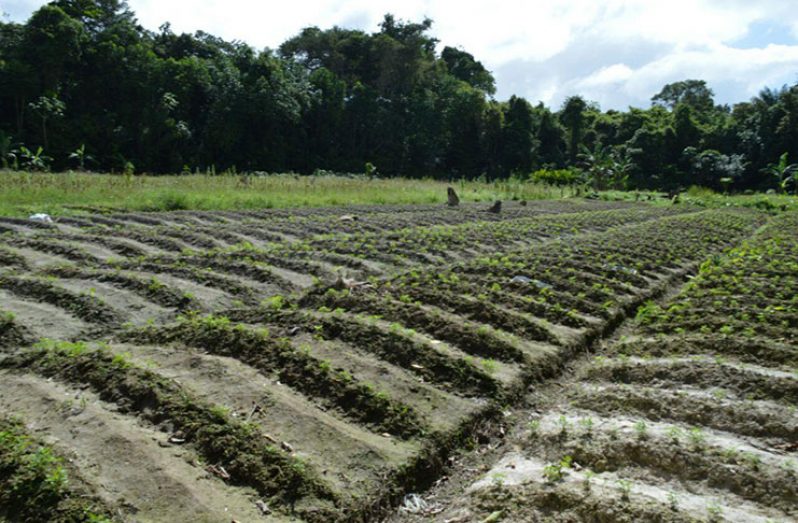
x=557, y=176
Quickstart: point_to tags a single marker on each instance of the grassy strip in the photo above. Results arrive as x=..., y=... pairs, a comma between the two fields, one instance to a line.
x=219, y=439
x=34, y=484
x=84, y=306
x=312, y=377
x=22, y=193
x=703, y=197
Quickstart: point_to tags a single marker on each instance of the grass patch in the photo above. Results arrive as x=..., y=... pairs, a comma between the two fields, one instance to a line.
x=703, y=197
x=54, y=193
x=23, y=193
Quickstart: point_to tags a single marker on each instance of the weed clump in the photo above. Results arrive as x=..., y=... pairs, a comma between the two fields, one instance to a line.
x=34, y=484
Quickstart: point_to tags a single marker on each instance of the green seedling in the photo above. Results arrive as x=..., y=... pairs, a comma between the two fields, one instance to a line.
x=555, y=472
x=625, y=486
x=641, y=429
x=696, y=437
x=714, y=512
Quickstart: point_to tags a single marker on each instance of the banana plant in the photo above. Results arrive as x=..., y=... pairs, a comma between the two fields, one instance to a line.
x=605, y=167
x=32, y=160
x=785, y=173
x=81, y=157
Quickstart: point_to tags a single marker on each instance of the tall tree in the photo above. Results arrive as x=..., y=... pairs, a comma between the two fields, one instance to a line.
x=465, y=67
x=693, y=93
x=550, y=139
x=84, y=75
x=52, y=40
x=518, y=138
x=573, y=116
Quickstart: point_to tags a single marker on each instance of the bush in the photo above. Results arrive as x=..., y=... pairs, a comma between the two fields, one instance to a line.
x=173, y=201
x=557, y=176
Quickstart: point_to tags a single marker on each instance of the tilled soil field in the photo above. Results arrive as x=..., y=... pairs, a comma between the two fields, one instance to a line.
x=328, y=365
x=687, y=413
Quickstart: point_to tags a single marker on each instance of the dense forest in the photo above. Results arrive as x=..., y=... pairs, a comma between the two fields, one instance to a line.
x=82, y=85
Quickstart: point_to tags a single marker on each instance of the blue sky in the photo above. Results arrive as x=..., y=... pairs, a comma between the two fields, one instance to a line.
x=615, y=52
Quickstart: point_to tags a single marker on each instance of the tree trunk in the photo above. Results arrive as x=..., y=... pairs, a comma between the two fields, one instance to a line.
x=20, y=110
x=44, y=134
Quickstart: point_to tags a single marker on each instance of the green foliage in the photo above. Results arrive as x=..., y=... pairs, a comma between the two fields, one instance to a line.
x=557, y=176
x=714, y=512
x=122, y=361
x=692, y=93
x=275, y=303
x=711, y=168
x=71, y=349
x=572, y=115
x=641, y=429
x=555, y=472
x=465, y=67
x=47, y=108
x=490, y=365
x=22, y=193
x=346, y=100
x=31, y=160
x=648, y=313
x=6, y=318
x=34, y=485
x=81, y=157
x=606, y=168
x=696, y=437
x=785, y=173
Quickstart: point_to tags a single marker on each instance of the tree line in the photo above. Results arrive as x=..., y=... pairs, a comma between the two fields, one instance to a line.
x=83, y=85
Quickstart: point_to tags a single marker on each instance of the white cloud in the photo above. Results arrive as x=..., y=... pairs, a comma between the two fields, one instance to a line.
x=734, y=74
x=612, y=74
x=752, y=69
x=617, y=52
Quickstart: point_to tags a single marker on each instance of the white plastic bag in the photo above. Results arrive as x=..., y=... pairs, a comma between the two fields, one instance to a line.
x=40, y=217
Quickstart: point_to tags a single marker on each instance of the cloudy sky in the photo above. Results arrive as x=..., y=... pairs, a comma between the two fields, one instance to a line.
x=615, y=52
